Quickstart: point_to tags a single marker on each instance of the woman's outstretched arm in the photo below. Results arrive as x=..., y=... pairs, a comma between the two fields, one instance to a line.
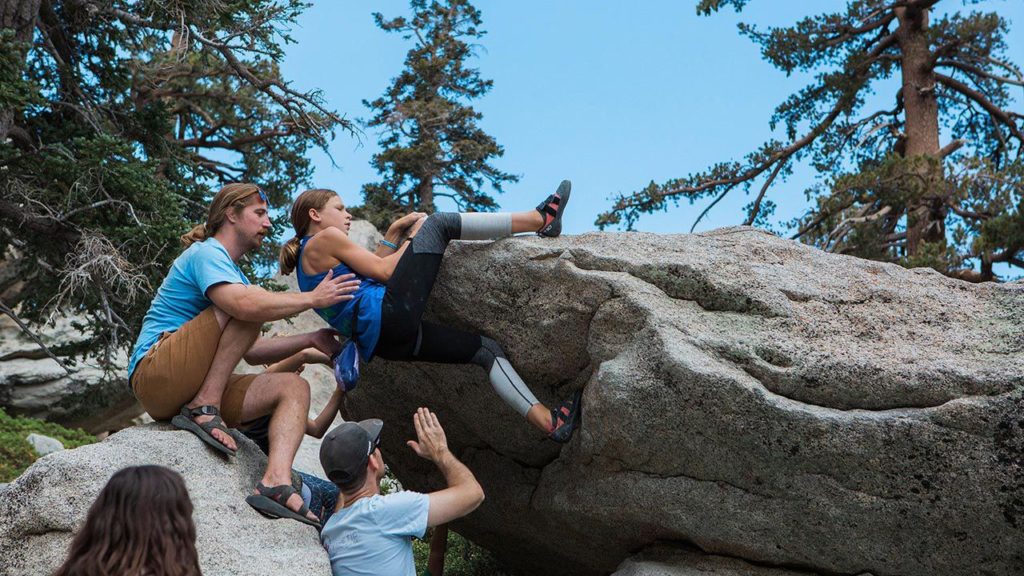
x=396, y=231
x=318, y=426
x=331, y=246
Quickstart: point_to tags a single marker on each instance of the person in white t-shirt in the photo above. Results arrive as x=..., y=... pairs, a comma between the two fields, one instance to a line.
x=371, y=533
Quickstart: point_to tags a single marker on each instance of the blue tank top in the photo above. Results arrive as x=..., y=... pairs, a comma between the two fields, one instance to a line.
x=366, y=302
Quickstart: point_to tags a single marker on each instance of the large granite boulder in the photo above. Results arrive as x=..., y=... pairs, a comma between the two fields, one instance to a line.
x=751, y=397
x=82, y=396
x=41, y=510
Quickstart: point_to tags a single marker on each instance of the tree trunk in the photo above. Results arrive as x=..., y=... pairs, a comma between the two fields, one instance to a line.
x=926, y=212
x=425, y=195
x=20, y=16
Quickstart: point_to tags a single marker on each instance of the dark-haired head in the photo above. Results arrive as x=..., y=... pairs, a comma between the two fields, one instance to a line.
x=139, y=525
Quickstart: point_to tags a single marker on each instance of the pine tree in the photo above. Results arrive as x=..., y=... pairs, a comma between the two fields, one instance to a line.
x=888, y=188
x=118, y=120
x=431, y=144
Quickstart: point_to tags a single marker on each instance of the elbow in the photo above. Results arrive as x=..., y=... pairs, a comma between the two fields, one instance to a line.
x=478, y=496
x=247, y=310
x=313, y=430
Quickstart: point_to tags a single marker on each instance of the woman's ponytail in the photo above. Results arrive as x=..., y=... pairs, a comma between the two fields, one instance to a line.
x=289, y=257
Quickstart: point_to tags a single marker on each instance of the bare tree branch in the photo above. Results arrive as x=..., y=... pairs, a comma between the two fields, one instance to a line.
x=760, y=196
x=994, y=111
x=28, y=332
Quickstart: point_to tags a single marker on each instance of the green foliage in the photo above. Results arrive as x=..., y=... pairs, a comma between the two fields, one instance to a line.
x=127, y=118
x=16, y=454
x=462, y=558
x=944, y=207
x=431, y=144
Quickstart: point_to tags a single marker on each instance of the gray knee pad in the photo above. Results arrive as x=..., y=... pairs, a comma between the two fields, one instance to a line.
x=504, y=379
x=485, y=225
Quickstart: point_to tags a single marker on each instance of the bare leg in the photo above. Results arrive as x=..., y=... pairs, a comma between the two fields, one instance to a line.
x=286, y=397
x=529, y=221
x=438, y=548
x=540, y=417
x=235, y=340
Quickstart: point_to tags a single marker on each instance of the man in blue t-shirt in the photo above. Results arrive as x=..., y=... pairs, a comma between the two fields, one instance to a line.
x=372, y=534
x=205, y=318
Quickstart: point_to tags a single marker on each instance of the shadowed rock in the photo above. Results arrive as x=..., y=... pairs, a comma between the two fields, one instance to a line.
x=746, y=395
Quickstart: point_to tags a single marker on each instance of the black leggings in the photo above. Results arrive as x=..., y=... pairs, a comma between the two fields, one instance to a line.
x=403, y=334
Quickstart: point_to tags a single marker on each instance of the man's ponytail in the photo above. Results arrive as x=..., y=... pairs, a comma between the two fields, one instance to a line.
x=196, y=234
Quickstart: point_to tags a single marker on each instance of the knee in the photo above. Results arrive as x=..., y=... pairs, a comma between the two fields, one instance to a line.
x=448, y=223
x=294, y=388
x=488, y=353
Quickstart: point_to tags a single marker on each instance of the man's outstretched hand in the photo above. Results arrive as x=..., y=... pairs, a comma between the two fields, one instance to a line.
x=332, y=290
x=430, y=440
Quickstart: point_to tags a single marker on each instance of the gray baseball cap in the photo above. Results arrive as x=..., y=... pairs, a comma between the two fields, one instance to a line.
x=345, y=451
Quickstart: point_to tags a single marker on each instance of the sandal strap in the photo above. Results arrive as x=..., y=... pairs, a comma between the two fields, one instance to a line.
x=281, y=494
x=215, y=423
x=205, y=410
x=550, y=205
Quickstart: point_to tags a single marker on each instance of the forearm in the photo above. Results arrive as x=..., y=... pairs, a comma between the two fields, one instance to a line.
x=318, y=426
x=456, y=474
x=259, y=305
x=392, y=237
x=279, y=348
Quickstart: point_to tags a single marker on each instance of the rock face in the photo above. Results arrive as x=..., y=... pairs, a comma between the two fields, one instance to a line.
x=42, y=508
x=666, y=561
x=33, y=385
x=745, y=395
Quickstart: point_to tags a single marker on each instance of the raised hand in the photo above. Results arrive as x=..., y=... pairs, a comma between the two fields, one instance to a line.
x=398, y=227
x=430, y=440
x=325, y=342
x=332, y=290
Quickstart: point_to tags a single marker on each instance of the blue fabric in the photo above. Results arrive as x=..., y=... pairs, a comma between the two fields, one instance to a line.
x=320, y=495
x=368, y=297
x=374, y=535
x=182, y=296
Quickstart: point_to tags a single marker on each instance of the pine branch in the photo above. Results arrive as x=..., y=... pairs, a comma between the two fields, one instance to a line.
x=978, y=72
x=997, y=113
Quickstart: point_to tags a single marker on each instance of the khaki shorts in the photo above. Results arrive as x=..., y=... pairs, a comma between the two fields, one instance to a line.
x=173, y=370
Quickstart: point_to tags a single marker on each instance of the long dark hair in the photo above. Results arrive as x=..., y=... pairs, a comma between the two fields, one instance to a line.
x=139, y=525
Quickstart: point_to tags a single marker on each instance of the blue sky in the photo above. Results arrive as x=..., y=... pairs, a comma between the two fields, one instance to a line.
x=610, y=95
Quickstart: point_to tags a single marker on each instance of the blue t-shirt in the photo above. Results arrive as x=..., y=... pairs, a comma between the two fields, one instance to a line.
x=366, y=300
x=374, y=535
x=182, y=296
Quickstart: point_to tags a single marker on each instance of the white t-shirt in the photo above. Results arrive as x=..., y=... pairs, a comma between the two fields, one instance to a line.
x=374, y=535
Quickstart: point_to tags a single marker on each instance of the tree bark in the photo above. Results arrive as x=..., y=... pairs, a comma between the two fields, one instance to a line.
x=425, y=195
x=20, y=16
x=926, y=212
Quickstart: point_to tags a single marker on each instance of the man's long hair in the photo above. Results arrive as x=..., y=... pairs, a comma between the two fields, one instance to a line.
x=139, y=525
x=232, y=197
